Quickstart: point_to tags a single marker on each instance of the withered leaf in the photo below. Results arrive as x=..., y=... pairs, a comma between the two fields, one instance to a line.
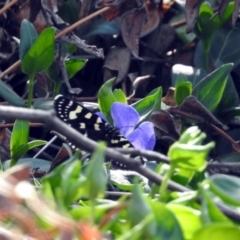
x=193, y=106
x=153, y=20
x=191, y=13
x=164, y=123
x=168, y=99
x=118, y=59
x=131, y=25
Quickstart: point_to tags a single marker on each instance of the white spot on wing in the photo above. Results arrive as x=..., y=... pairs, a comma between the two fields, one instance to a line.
x=99, y=120
x=88, y=115
x=126, y=145
x=122, y=139
x=82, y=125
x=96, y=127
x=73, y=114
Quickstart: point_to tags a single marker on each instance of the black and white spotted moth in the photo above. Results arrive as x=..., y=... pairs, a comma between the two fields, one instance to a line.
x=88, y=123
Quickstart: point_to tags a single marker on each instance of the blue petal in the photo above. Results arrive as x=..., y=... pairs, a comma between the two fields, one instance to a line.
x=125, y=117
x=101, y=115
x=143, y=137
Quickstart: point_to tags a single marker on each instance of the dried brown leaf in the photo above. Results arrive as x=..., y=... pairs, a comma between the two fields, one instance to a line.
x=193, y=106
x=131, y=26
x=191, y=13
x=163, y=121
x=118, y=59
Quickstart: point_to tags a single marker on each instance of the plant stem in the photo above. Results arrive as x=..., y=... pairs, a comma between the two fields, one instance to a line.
x=30, y=90
x=56, y=89
x=164, y=184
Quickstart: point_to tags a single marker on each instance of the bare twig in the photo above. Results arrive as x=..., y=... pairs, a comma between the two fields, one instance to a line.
x=82, y=142
x=7, y=6
x=88, y=145
x=65, y=31
x=150, y=155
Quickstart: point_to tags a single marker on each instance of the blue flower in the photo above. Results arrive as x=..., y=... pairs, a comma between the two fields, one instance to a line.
x=126, y=119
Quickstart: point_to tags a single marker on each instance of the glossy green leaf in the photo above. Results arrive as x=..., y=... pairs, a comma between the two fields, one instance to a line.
x=19, y=138
x=224, y=47
x=205, y=13
x=209, y=90
x=230, y=96
x=151, y=102
x=21, y=150
x=188, y=152
x=95, y=174
x=183, y=89
x=119, y=96
x=10, y=96
x=73, y=66
x=41, y=54
x=137, y=202
x=188, y=218
x=210, y=212
x=167, y=225
x=28, y=36
x=71, y=183
x=106, y=99
x=217, y=231
x=226, y=187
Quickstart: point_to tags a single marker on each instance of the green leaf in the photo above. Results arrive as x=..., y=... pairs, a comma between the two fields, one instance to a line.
x=95, y=174
x=137, y=202
x=119, y=96
x=73, y=66
x=209, y=90
x=188, y=153
x=21, y=150
x=210, y=212
x=28, y=36
x=224, y=48
x=106, y=99
x=41, y=54
x=185, y=215
x=71, y=183
x=151, y=102
x=230, y=96
x=183, y=89
x=19, y=137
x=167, y=225
x=10, y=96
x=217, y=231
x=226, y=187
x=205, y=13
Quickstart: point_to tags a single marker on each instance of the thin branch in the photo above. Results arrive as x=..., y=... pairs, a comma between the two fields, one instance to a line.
x=82, y=142
x=150, y=155
x=7, y=6
x=86, y=144
x=228, y=165
x=65, y=31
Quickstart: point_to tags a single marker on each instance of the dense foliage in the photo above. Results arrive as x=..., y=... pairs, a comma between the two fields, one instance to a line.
x=174, y=96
